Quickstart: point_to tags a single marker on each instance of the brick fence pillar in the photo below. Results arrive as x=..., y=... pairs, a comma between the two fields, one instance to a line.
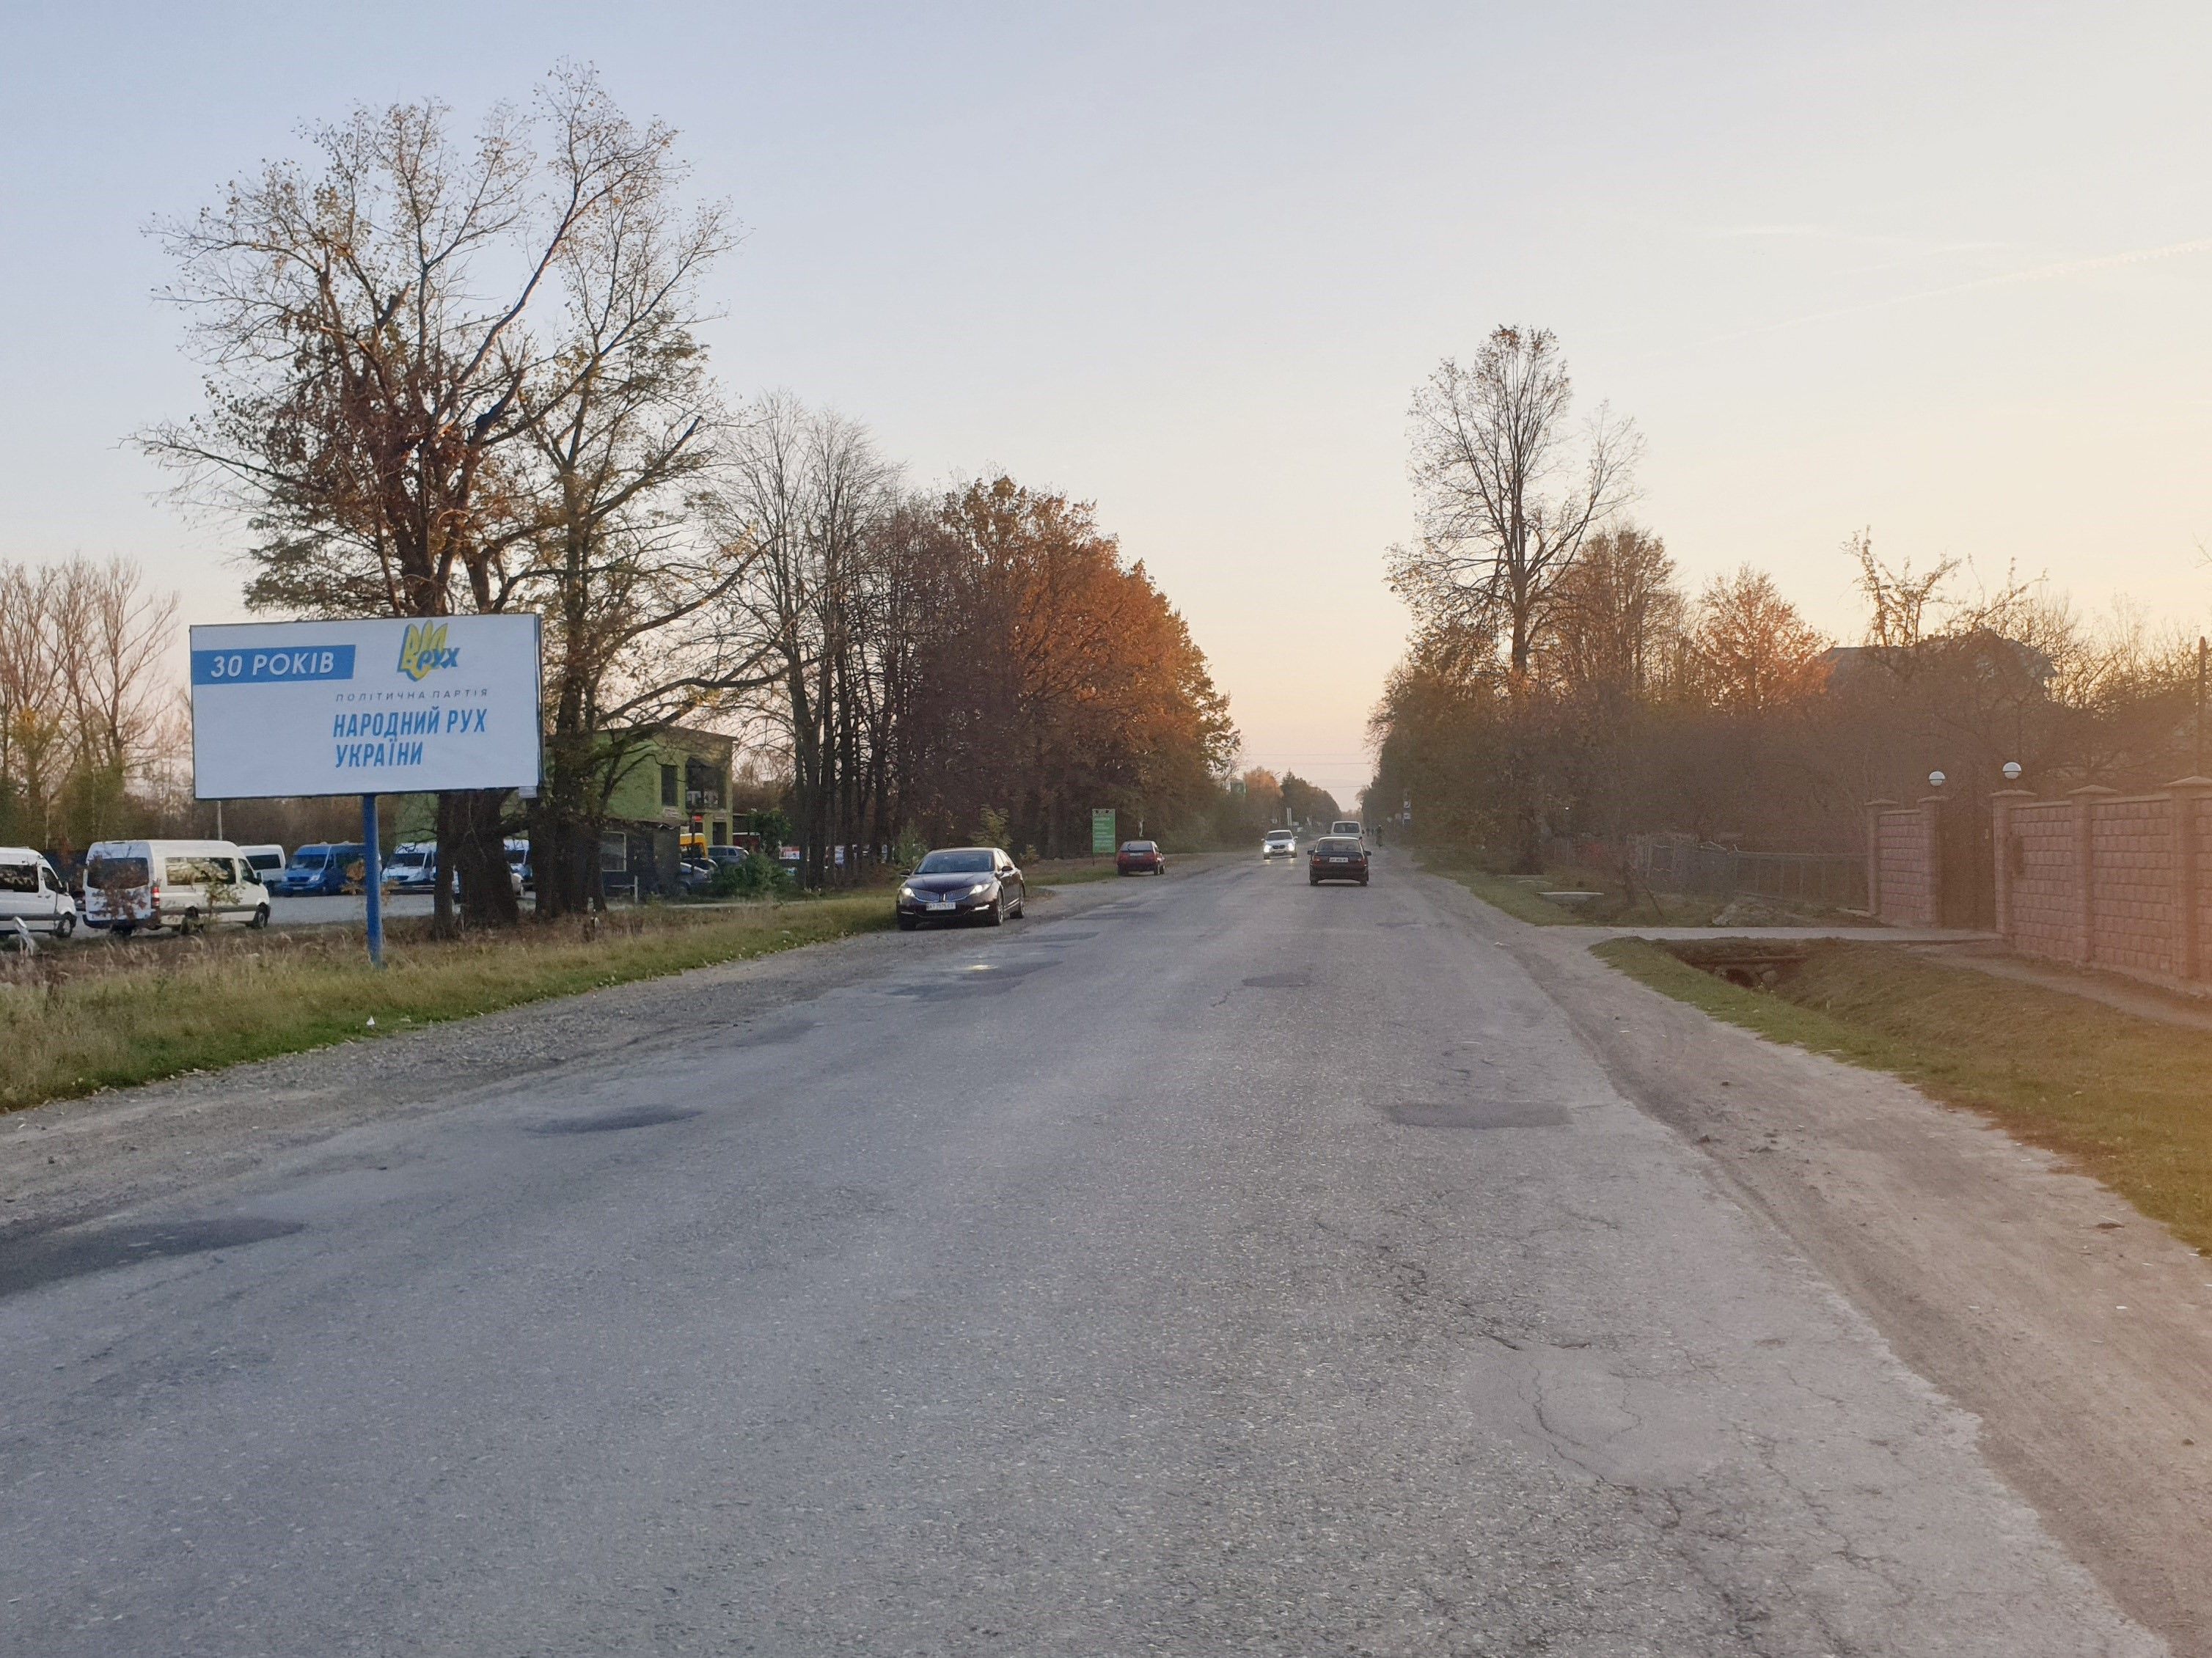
x=1874, y=812
x=2001, y=805
x=2085, y=800
x=2188, y=941
x=1931, y=830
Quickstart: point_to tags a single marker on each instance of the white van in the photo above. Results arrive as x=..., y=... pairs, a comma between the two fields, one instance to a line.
x=132, y=886
x=1349, y=826
x=268, y=859
x=30, y=892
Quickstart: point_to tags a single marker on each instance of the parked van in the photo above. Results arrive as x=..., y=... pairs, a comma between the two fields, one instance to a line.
x=268, y=859
x=413, y=866
x=31, y=893
x=324, y=867
x=133, y=886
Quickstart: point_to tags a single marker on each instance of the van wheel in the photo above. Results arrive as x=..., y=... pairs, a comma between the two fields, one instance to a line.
x=260, y=919
x=65, y=925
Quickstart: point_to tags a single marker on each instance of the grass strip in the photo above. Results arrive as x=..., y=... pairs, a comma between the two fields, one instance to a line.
x=1516, y=898
x=2127, y=1099
x=69, y=1028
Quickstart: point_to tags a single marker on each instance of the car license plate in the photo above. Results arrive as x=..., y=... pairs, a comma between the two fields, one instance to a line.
x=940, y=903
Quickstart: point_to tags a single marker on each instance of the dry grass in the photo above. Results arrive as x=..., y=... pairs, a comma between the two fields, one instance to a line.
x=2127, y=1099
x=73, y=1021
x=1521, y=896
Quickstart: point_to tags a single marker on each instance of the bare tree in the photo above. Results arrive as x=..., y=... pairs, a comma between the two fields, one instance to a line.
x=622, y=429
x=1508, y=493
x=807, y=492
x=83, y=691
x=365, y=330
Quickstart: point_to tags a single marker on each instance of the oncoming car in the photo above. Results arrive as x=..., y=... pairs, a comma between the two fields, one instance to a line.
x=1337, y=858
x=1279, y=843
x=962, y=883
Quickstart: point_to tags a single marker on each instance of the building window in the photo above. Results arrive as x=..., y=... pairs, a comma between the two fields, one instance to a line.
x=614, y=853
x=721, y=833
x=669, y=796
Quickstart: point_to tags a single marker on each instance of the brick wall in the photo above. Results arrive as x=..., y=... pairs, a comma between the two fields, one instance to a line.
x=2135, y=872
x=1905, y=867
x=2120, y=882
x=2038, y=909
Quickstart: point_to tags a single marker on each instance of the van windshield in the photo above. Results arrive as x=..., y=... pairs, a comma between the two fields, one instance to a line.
x=309, y=860
x=113, y=874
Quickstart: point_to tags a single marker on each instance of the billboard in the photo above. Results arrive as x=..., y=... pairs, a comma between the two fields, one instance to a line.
x=387, y=707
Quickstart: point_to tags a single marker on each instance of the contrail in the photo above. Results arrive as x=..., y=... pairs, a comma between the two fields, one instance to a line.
x=2034, y=273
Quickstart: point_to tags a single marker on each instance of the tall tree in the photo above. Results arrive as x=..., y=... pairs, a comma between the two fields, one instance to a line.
x=366, y=329
x=620, y=432
x=1508, y=492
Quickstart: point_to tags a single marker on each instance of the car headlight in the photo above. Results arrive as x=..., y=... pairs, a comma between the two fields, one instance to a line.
x=910, y=894
x=980, y=889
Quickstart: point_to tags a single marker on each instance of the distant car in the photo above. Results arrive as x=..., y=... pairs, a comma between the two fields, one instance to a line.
x=518, y=861
x=694, y=876
x=1337, y=858
x=1139, y=857
x=33, y=894
x=962, y=883
x=1279, y=843
x=1349, y=826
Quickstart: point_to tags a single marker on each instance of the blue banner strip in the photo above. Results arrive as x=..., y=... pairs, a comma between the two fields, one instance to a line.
x=278, y=667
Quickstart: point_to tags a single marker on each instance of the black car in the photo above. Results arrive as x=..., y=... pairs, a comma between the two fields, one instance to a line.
x=962, y=883
x=1337, y=858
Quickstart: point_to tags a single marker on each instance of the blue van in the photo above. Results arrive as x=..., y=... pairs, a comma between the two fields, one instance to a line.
x=325, y=867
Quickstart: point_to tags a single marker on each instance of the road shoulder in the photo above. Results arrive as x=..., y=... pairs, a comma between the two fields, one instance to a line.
x=80, y=1159
x=2079, y=1332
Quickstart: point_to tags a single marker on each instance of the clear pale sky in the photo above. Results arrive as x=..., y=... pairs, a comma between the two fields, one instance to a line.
x=1940, y=270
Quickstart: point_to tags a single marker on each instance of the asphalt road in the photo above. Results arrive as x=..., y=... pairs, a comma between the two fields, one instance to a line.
x=1229, y=1266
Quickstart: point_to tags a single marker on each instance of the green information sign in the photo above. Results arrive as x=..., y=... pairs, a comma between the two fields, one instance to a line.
x=1102, y=829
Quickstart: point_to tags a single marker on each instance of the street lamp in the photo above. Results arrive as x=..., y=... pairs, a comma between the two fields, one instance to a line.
x=2011, y=771
x=1936, y=779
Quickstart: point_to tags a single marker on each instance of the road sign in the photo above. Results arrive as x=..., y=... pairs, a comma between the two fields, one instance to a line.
x=1101, y=829
x=384, y=706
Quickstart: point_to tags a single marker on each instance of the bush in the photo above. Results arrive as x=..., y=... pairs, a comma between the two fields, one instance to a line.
x=755, y=876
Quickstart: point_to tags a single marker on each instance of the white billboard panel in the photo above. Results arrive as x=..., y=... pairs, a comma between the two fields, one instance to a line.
x=365, y=707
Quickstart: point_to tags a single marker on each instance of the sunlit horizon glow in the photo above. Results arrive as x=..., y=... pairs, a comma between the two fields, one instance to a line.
x=1937, y=271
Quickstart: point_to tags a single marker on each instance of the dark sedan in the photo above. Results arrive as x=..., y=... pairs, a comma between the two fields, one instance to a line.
x=962, y=883
x=1140, y=858
x=1337, y=858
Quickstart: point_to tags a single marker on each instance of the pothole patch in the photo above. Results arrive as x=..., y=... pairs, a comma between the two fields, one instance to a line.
x=611, y=1122
x=1477, y=1114
x=61, y=1256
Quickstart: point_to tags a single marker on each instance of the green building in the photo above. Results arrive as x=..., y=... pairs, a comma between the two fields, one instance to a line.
x=670, y=800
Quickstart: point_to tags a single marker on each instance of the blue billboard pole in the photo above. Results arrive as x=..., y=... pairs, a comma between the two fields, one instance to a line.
x=372, y=878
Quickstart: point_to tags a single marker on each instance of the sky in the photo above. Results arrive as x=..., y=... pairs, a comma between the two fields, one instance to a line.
x=1941, y=271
